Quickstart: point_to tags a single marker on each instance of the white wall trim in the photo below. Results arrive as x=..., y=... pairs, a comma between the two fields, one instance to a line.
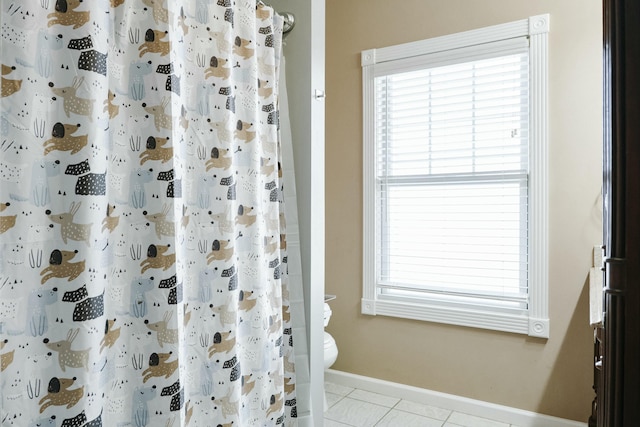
x=539, y=185
x=462, y=315
x=369, y=167
x=465, y=405
x=447, y=42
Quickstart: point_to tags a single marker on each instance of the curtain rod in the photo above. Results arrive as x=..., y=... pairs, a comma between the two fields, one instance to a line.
x=289, y=18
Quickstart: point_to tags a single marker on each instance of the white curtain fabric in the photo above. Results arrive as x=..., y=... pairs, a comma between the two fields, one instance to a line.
x=143, y=264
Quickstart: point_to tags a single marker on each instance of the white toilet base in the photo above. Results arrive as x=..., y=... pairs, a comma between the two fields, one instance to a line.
x=330, y=350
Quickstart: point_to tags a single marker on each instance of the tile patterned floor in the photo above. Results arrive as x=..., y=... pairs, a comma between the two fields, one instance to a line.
x=349, y=407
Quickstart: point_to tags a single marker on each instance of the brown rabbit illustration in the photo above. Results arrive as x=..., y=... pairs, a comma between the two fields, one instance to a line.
x=71, y=102
x=160, y=118
x=163, y=227
x=160, y=13
x=68, y=358
x=165, y=335
x=71, y=230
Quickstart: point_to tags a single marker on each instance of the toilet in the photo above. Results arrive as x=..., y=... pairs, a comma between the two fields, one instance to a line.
x=330, y=347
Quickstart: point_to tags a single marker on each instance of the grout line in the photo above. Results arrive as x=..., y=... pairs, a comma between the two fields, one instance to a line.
x=448, y=416
x=382, y=417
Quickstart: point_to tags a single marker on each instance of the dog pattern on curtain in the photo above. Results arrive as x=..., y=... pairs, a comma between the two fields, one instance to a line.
x=143, y=277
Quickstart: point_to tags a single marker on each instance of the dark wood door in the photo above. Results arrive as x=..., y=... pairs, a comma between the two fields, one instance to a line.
x=618, y=355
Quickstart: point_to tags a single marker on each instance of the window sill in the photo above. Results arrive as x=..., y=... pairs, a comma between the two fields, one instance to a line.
x=520, y=323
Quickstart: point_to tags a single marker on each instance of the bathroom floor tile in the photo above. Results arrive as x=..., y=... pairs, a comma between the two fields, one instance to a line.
x=424, y=410
x=332, y=399
x=356, y=412
x=395, y=418
x=375, y=398
x=338, y=389
x=351, y=407
x=465, y=420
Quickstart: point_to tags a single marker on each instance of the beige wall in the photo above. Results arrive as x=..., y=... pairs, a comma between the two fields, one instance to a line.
x=551, y=376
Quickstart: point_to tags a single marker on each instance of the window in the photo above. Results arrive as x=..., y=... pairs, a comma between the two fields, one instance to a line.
x=455, y=181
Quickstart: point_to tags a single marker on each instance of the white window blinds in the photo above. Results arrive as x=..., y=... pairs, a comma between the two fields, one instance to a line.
x=455, y=179
x=452, y=173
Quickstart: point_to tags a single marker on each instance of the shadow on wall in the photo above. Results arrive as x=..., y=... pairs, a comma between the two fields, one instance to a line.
x=579, y=331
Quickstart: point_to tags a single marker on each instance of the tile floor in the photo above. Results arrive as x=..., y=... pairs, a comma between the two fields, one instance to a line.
x=349, y=407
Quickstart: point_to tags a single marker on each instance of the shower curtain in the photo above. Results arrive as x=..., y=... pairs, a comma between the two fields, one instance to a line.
x=143, y=263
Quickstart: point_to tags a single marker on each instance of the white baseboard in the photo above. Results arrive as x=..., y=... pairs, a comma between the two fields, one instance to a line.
x=465, y=405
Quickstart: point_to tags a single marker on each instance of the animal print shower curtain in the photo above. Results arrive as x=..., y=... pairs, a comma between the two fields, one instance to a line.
x=143, y=275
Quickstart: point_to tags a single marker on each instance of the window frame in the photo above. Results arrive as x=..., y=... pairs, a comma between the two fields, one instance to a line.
x=533, y=321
